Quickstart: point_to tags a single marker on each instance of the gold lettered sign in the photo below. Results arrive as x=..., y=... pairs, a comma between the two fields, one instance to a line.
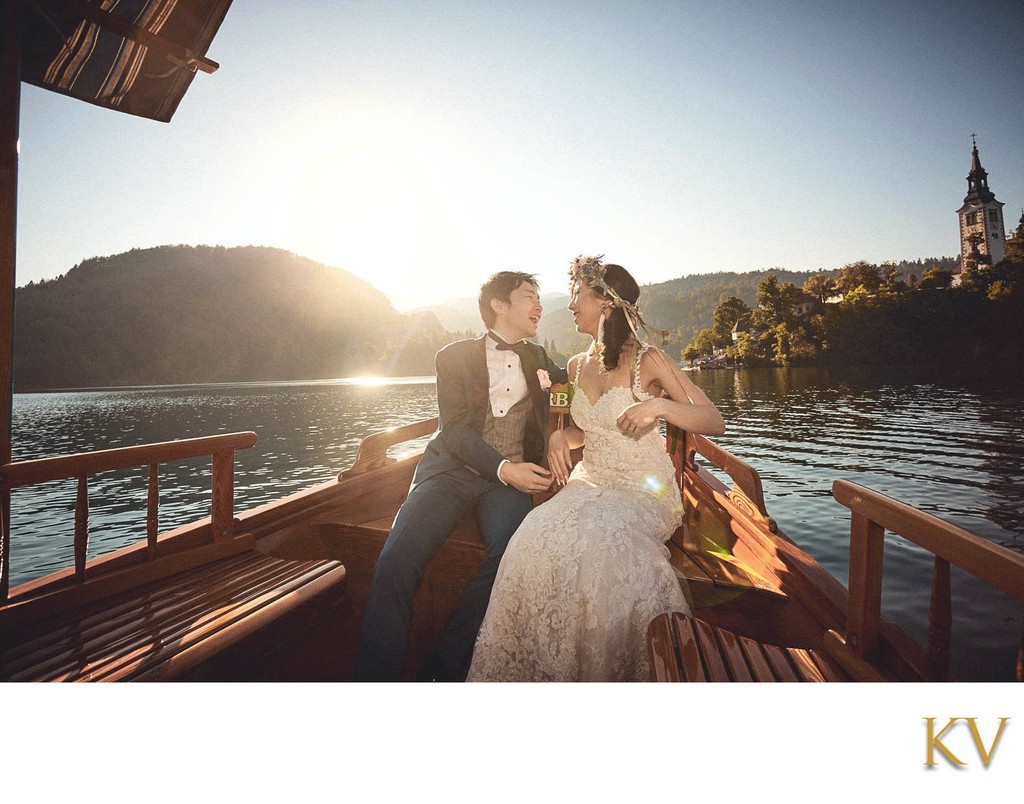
x=561, y=397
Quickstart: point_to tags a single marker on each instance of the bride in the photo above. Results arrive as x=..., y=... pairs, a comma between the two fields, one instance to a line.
x=587, y=571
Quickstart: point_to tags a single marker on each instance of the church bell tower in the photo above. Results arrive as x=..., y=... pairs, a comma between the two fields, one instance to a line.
x=981, y=218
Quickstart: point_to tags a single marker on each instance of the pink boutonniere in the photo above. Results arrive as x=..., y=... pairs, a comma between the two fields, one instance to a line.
x=545, y=380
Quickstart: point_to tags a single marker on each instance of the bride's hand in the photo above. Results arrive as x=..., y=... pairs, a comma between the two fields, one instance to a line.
x=640, y=418
x=559, y=456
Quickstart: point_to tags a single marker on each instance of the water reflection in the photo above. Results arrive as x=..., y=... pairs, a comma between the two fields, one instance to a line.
x=914, y=440
x=306, y=434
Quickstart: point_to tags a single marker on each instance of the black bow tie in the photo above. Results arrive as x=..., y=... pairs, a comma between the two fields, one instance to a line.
x=504, y=346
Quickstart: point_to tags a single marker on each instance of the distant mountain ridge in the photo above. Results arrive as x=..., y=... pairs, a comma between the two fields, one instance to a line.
x=194, y=314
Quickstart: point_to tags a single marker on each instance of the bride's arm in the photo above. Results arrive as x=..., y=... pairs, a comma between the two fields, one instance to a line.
x=561, y=443
x=682, y=403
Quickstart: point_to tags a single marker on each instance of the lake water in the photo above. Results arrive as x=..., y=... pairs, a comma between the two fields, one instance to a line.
x=948, y=447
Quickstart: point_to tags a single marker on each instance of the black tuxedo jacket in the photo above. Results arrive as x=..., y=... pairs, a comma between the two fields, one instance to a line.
x=462, y=402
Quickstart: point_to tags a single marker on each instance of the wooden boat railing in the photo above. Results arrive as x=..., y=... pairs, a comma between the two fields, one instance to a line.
x=373, y=450
x=746, y=491
x=682, y=446
x=220, y=447
x=871, y=514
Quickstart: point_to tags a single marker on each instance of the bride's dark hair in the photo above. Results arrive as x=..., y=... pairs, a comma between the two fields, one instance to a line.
x=616, y=327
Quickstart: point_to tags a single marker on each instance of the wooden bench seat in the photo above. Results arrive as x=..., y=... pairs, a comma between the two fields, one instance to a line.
x=684, y=648
x=714, y=578
x=710, y=578
x=162, y=629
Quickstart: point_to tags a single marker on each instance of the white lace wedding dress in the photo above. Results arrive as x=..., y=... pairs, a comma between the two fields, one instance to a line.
x=588, y=570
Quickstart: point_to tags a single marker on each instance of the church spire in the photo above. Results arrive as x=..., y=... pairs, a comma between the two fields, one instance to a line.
x=977, y=179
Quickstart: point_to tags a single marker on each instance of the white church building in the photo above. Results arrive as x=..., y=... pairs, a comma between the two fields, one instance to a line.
x=982, y=233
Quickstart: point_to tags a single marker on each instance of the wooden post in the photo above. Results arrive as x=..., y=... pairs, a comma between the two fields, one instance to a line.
x=10, y=103
x=676, y=445
x=81, y=527
x=152, y=511
x=940, y=623
x=867, y=542
x=223, y=503
x=1020, y=655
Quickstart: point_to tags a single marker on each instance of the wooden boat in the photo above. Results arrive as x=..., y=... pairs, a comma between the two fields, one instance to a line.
x=276, y=593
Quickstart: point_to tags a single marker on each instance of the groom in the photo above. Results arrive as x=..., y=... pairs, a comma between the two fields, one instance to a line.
x=486, y=458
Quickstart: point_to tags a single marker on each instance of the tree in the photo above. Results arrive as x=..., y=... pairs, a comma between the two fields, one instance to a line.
x=790, y=346
x=936, y=278
x=820, y=287
x=858, y=275
x=892, y=279
x=726, y=315
x=754, y=350
x=1007, y=275
x=775, y=303
x=857, y=295
x=691, y=353
x=1015, y=247
x=705, y=342
x=730, y=310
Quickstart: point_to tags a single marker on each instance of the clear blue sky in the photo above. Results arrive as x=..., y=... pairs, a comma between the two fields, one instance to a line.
x=424, y=145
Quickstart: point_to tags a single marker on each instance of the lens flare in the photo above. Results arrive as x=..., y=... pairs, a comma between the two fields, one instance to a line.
x=655, y=486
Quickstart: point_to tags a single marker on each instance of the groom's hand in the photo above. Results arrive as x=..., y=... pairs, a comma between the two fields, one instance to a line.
x=527, y=477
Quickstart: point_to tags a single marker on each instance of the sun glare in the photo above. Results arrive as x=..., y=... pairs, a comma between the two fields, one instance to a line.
x=371, y=205
x=411, y=207
x=356, y=194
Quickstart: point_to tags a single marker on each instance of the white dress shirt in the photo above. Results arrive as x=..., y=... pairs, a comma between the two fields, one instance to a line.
x=506, y=383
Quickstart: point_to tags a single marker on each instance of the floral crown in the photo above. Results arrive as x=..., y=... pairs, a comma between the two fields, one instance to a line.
x=589, y=271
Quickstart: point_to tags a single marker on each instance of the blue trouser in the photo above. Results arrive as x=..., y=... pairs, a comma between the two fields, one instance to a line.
x=432, y=510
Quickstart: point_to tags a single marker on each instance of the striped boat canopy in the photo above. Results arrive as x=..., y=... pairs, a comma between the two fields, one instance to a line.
x=133, y=56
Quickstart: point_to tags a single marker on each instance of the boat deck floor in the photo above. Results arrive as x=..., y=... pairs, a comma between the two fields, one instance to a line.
x=685, y=648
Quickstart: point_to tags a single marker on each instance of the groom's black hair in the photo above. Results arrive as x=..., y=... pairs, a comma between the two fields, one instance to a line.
x=500, y=286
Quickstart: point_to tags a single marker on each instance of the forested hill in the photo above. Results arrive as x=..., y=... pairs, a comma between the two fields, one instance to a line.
x=683, y=306
x=192, y=314
x=687, y=305
x=182, y=314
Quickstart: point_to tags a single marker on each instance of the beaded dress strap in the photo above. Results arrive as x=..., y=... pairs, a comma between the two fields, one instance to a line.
x=638, y=392
x=576, y=376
